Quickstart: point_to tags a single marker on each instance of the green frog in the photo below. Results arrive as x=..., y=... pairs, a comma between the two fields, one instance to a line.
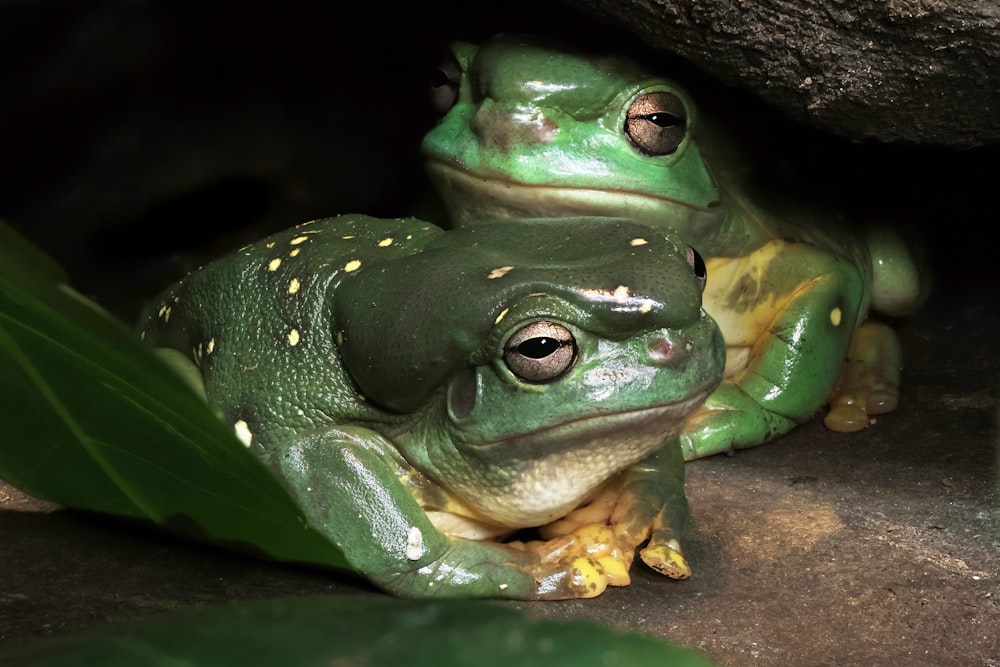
x=532, y=129
x=425, y=395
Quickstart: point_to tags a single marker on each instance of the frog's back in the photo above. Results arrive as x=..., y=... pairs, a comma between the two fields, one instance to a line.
x=258, y=322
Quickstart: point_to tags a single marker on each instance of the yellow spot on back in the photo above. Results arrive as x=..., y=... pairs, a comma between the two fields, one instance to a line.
x=299, y=239
x=293, y=337
x=386, y=242
x=242, y=431
x=274, y=264
x=294, y=285
x=835, y=316
x=348, y=237
x=499, y=272
x=295, y=252
x=621, y=294
x=210, y=346
x=269, y=245
x=638, y=241
x=503, y=313
x=647, y=305
x=352, y=265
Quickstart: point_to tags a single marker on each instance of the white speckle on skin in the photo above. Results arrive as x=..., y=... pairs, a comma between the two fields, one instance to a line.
x=835, y=317
x=638, y=241
x=298, y=239
x=352, y=265
x=499, y=272
x=414, y=544
x=386, y=242
x=293, y=285
x=621, y=294
x=274, y=264
x=242, y=431
x=503, y=313
x=293, y=337
x=503, y=587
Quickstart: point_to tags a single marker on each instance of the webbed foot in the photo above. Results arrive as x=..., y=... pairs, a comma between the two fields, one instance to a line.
x=869, y=379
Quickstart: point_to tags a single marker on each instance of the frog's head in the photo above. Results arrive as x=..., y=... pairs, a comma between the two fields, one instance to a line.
x=533, y=360
x=529, y=129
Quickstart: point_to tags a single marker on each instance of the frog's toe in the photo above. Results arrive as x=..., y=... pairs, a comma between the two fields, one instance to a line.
x=666, y=559
x=581, y=578
x=882, y=399
x=846, y=417
x=615, y=570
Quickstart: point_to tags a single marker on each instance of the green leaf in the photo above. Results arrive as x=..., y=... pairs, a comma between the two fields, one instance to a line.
x=353, y=630
x=90, y=418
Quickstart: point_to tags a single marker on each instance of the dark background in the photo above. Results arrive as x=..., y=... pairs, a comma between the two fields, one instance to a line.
x=143, y=138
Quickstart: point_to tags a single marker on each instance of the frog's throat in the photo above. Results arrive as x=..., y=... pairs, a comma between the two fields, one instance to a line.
x=553, y=470
x=475, y=196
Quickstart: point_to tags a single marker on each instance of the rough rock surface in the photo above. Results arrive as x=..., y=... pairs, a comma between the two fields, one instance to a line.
x=921, y=71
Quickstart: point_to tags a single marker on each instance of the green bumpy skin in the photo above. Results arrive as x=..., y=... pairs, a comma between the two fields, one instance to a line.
x=422, y=393
x=528, y=128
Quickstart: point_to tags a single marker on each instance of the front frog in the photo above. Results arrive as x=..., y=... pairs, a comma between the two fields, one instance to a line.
x=530, y=129
x=422, y=394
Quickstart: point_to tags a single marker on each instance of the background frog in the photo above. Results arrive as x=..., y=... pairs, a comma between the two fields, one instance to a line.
x=421, y=393
x=531, y=129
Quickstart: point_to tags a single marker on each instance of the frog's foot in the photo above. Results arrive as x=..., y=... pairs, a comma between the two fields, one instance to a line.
x=667, y=559
x=597, y=511
x=579, y=578
x=595, y=543
x=869, y=379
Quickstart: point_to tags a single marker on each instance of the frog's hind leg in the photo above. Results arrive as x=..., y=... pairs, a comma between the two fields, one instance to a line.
x=869, y=379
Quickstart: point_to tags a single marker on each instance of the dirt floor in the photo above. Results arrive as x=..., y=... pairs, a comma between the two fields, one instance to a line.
x=875, y=548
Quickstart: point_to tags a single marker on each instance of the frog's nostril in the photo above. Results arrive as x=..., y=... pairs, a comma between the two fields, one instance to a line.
x=661, y=351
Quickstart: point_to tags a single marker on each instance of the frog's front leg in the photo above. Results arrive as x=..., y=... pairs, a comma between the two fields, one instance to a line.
x=793, y=323
x=345, y=482
x=646, y=502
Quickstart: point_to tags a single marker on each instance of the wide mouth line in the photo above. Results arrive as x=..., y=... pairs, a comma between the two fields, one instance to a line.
x=634, y=416
x=497, y=181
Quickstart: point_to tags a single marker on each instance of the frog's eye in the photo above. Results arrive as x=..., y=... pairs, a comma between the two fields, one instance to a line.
x=697, y=265
x=444, y=86
x=656, y=123
x=540, y=351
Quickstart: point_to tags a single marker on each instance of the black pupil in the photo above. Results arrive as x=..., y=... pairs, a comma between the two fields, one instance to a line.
x=699, y=266
x=663, y=119
x=538, y=348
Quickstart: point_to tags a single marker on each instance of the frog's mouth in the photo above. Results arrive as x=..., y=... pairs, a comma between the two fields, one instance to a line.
x=546, y=473
x=475, y=196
